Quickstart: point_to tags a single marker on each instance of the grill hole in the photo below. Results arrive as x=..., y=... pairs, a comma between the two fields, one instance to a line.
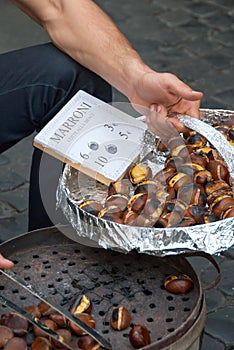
x=15, y=291
x=134, y=311
x=54, y=252
x=28, y=278
x=23, y=298
x=169, y=298
x=150, y=319
x=186, y=309
x=71, y=263
x=171, y=308
x=48, y=267
x=185, y=299
x=105, y=331
x=83, y=258
x=2, y=288
x=106, y=323
x=171, y=330
x=35, y=256
x=64, y=271
x=125, y=335
x=45, y=262
x=59, y=279
x=27, y=267
x=63, y=258
x=169, y=319
x=101, y=313
x=43, y=275
x=152, y=306
x=147, y=292
x=51, y=285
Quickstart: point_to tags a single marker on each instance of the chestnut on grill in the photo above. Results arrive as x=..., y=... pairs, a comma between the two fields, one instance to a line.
x=59, y=319
x=38, y=332
x=139, y=172
x=33, y=310
x=16, y=343
x=139, y=336
x=63, y=333
x=46, y=309
x=91, y=206
x=5, y=335
x=178, y=284
x=18, y=324
x=41, y=343
x=86, y=342
x=81, y=304
x=120, y=318
x=86, y=318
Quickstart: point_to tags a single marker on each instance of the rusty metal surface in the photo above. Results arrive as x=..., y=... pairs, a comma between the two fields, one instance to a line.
x=62, y=268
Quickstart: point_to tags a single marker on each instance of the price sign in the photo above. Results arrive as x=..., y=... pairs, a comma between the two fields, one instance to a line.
x=94, y=137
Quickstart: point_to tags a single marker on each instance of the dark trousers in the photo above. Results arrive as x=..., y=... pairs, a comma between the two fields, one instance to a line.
x=35, y=83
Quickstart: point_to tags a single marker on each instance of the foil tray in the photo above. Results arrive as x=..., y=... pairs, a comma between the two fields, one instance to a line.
x=90, y=230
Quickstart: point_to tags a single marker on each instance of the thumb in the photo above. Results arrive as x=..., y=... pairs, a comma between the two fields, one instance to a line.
x=5, y=263
x=183, y=90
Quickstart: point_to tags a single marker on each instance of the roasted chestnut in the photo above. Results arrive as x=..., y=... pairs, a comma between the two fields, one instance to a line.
x=41, y=343
x=16, y=343
x=139, y=336
x=120, y=318
x=192, y=194
x=196, y=212
x=195, y=140
x=200, y=159
x=33, y=310
x=91, y=206
x=139, y=172
x=119, y=200
x=164, y=175
x=229, y=213
x=150, y=187
x=47, y=323
x=178, y=284
x=216, y=185
x=221, y=204
x=137, y=202
x=178, y=180
x=181, y=151
x=81, y=304
x=218, y=170
x=18, y=324
x=112, y=213
x=5, y=335
x=59, y=319
x=65, y=335
x=122, y=187
x=86, y=318
x=86, y=342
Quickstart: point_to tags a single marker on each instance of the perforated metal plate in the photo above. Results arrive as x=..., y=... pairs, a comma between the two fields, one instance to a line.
x=62, y=268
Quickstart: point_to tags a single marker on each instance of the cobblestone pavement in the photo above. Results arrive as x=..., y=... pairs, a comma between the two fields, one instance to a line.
x=191, y=38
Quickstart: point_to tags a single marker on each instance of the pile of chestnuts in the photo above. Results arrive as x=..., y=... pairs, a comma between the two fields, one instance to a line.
x=194, y=187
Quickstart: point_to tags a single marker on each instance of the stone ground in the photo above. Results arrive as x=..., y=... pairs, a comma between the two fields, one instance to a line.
x=191, y=38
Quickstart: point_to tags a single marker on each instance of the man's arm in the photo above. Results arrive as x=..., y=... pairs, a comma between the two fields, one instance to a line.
x=82, y=30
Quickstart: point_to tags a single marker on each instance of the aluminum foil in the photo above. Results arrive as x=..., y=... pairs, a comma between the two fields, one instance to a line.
x=211, y=238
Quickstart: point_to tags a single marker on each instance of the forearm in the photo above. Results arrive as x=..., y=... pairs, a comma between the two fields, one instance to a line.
x=82, y=30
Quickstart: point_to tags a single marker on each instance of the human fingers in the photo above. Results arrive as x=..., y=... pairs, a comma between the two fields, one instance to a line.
x=5, y=263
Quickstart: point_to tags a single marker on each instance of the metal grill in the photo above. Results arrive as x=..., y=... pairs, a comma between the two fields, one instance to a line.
x=62, y=268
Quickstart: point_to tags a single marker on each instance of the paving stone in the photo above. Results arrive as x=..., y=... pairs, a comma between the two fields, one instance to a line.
x=10, y=180
x=214, y=299
x=220, y=325
x=223, y=21
x=208, y=343
x=226, y=97
x=3, y=160
x=176, y=18
x=202, y=9
x=6, y=210
x=13, y=227
x=226, y=38
x=17, y=198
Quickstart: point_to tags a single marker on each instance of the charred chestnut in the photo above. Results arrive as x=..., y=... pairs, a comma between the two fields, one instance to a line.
x=139, y=172
x=120, y=318
x=112, y=213
x=202, y=177
x=139, y=336
x=195, y=140
x=196, y=212
x=121, y=187
x=119, y=200
x=81, y=304
x=216, y=185
x=91, y=206
x=178, y=180
x=137, y=202
x=178, y=284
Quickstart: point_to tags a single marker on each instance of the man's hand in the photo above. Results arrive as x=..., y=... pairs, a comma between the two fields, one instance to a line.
x=5, y=263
